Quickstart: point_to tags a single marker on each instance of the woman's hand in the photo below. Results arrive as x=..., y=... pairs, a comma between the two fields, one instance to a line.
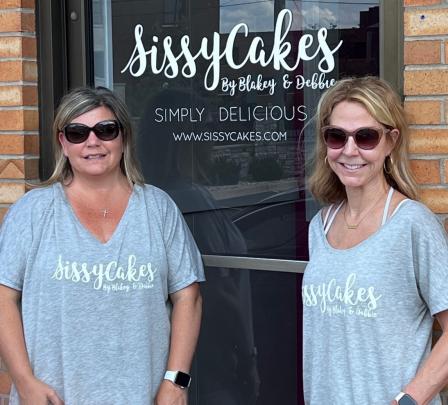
x=35, y=392
x=171, y=394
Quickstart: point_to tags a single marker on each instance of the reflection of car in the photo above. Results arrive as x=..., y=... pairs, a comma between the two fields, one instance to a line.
x=277, y=226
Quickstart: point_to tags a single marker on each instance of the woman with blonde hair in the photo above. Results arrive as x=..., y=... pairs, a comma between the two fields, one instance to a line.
x=99, y=296
x=377, y=273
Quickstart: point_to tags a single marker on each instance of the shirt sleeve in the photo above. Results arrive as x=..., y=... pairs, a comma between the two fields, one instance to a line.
x=15, y=242
x=431, y=261
x=184, y=260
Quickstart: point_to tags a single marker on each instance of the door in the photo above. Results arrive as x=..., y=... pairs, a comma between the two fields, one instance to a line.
x=222, y=95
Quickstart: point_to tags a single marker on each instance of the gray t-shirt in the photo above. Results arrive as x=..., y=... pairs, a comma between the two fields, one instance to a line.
x=97, y=316
x=368, y=310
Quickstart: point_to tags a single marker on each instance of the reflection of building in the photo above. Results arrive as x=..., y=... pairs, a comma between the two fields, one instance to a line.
x=362, y=45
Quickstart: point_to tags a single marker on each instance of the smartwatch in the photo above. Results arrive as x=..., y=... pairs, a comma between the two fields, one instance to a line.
x=179, y=378
x=405, y=399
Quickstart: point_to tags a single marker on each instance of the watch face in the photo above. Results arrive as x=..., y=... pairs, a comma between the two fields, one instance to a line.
x=406, y=400
x=182, y=379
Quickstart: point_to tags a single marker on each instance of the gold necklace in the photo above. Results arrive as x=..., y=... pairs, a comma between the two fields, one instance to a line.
x=355, y=226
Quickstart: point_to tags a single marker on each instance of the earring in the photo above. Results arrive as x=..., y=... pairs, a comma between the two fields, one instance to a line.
x=385, y=168
x=326, y=160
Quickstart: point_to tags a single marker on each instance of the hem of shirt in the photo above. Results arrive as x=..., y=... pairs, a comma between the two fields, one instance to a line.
x=10, y=284
x=438, y=309
x=185, y=283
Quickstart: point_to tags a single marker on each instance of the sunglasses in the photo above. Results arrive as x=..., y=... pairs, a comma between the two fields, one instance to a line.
x=365, y=138
x=104, y=130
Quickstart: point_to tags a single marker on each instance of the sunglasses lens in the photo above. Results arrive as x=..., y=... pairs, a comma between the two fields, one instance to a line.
x=367, y=138
x=335, y=138
x=106, y=130
x=76, y=133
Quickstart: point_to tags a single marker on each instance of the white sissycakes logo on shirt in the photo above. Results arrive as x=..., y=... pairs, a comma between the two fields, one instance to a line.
x=108, y=277
x=346, y=300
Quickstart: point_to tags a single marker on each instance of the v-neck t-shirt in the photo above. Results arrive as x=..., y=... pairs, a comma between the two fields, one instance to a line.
x=96, y=315
x=367, y=319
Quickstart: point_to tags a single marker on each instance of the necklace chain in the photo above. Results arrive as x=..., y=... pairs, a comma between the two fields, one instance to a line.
x=355, y=226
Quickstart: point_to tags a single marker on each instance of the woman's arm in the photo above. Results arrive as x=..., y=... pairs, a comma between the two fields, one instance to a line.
x=14, y=354
x=185, y=324
x=433, y=375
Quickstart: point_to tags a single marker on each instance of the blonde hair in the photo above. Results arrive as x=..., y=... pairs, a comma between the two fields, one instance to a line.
x=80, y=101
x=384, y=105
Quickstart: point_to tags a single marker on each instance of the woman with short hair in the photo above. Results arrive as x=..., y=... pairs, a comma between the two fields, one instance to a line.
x=99, y=296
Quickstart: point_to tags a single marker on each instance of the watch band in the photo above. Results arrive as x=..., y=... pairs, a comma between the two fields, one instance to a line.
x=179, y=378
x=405, y=399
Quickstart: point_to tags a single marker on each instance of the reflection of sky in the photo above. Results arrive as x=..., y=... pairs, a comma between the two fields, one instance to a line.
x=258, y=15
x=307, y=14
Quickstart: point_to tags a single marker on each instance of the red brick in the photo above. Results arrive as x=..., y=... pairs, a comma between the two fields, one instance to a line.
x=10, y=96
x=29, y=95
x=428, y=141
x=426, y=22
x=426, y=171
x=13, y=71
x=12, y=144
x=446, y=54
x=422, y=52
x=445, y=163
x=18, y=47
x=17, y=4
x=17, y=120
x=3, y=211
x=426, y=82
x=29, y=71
x=436, y=199
x=31, y=144
x=19, y=145
x=10, y=47
x=31, y=169
x=423, y=112
x=12, y=169
x=29, y=47
x=11, y=192
x=18, y=96
x=28, y=22
x=16, y=169
x=10, y=21
x=446, y=111
x=15, y=21
x=421, y=2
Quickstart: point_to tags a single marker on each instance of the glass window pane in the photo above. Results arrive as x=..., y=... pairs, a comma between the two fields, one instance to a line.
x=222, y=95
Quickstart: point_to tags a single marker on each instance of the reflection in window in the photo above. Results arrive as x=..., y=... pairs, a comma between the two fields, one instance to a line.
x=171, y=12
x=102, y=37
x=312, y=15
x=257, y=15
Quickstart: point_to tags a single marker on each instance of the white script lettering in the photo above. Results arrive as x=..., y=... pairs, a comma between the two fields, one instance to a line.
x=171, y=64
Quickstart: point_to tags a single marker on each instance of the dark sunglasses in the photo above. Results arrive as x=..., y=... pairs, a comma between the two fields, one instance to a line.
x=365, y=138
x=104, y=130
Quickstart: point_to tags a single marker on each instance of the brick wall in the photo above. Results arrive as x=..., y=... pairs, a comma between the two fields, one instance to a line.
x=426, y=100
x=426, y=97
x=19, y=145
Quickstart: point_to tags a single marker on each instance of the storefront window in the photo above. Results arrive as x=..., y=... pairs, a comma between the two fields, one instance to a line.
x=222, y=95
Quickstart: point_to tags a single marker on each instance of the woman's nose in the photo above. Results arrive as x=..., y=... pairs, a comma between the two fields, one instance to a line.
x=350, y=148
x=92, y=139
